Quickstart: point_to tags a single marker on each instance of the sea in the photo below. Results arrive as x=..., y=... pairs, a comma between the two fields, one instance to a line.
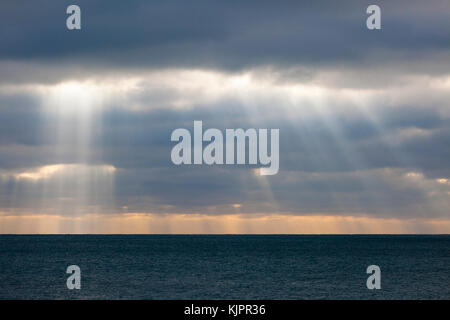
x=269, y=267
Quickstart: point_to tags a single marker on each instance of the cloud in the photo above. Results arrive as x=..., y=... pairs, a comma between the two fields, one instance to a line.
x=47, y=172
x=230, y=36
x=69, y=189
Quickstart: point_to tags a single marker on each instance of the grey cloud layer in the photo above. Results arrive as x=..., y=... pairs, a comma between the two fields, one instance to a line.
x=230, y=35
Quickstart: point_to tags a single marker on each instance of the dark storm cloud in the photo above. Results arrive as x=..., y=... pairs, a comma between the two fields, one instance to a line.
x=229, y=35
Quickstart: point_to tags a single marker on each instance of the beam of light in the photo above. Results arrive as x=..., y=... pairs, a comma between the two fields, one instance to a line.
x=76, y=180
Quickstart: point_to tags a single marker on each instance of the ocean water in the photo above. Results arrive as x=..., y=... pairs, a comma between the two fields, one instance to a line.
x=224, y=266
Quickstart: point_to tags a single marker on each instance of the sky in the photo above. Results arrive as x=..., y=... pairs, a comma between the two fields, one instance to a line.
x=86, y=116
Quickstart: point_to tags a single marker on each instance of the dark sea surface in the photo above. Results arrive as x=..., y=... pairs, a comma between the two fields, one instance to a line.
x=224, y=266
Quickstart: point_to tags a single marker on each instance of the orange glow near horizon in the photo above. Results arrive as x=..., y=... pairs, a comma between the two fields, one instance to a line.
x=143, y=223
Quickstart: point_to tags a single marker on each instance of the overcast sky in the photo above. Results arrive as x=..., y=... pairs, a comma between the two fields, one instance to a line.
x=86, y=115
